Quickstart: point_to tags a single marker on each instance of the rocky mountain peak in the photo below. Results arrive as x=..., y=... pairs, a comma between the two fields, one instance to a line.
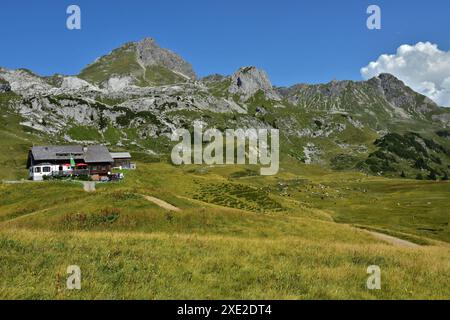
x=249, y=80
x=400, y=95
x=387, y=80
x=150, y=53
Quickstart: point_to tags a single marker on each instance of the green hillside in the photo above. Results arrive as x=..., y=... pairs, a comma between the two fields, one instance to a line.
x=128, y=247
x=363, y=181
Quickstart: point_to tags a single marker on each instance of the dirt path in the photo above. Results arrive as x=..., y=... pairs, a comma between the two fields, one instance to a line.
x=89, y=186
x=393, y=240
x=161, y=203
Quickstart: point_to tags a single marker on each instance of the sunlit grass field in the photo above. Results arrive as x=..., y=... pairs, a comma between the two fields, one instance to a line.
x=125, y=265
x=238, y=235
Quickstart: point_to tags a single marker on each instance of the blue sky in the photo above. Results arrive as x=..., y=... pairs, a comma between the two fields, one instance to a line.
x=294, y=41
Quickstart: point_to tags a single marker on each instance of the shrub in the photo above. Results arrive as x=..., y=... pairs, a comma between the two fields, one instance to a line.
x=432, y=175
x=343, y=161
x=84, y=177
x=121, y=195
x=105, y=217
x=108, y=215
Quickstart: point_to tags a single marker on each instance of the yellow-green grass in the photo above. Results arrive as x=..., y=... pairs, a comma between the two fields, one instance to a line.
x=15, y=140
x=118, y=265
x=128, y=247
x=83, y=133
x=60, y=206
x=418, y=208
x=408, y=206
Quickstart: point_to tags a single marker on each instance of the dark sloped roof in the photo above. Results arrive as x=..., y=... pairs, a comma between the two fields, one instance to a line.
x=57, y=152
x=95, y=153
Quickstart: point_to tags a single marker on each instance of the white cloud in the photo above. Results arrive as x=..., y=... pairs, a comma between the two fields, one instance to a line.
x=423, y=67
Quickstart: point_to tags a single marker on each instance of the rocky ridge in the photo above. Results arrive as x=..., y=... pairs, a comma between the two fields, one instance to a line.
x=139, y=93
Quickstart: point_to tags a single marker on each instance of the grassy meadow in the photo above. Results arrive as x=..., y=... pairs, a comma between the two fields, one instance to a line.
x=297, y=235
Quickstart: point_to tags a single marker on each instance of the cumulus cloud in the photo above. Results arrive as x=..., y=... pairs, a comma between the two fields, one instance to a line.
x=423, y=67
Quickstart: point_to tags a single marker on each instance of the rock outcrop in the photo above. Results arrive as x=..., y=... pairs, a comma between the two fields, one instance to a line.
x=249, y=80
x=141, y=91
x=4, y=86
x=24, y=82
x=150, y=53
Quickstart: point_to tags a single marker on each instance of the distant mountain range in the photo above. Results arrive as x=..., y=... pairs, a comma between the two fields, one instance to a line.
x=136, y=95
